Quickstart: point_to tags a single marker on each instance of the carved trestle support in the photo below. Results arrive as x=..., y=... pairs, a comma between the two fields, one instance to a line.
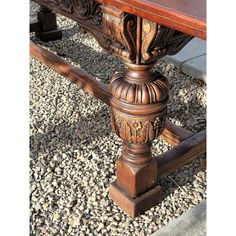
x=138, y=95
x=138, y=101
x=138, y=111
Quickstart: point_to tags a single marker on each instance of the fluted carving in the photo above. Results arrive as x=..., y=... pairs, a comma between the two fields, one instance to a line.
x=147, y=93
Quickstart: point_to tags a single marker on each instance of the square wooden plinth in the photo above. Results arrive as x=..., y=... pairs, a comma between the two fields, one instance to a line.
x=49, y=35
x=134, y=207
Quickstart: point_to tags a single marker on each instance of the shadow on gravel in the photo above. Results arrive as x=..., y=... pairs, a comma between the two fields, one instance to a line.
x=70, y=32
x=84, y=132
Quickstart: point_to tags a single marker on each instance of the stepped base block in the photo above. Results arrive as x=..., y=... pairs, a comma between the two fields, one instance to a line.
x=135, y=206
x=49, y=35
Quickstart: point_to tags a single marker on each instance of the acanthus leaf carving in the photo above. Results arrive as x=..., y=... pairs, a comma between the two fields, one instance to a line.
x=144, y=137
x=127, y=131
x=135, y=40
x=121, y=29
x=129, y=26
x=158, y=41
x=155, y=40
x=151, y=129
x=138, y=132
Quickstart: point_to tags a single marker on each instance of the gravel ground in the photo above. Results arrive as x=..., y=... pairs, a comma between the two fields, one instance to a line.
x=73, y=151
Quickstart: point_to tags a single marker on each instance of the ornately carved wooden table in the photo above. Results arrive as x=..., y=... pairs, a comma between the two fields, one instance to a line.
x=139, y=32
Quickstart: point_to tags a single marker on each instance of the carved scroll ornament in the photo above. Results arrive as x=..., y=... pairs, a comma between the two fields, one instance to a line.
x=139, y=41
x=134, y=39
x=83, y=9
x=87, y=9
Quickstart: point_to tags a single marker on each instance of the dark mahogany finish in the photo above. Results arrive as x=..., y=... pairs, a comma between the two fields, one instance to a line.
x=139, y=32
x=188, y=16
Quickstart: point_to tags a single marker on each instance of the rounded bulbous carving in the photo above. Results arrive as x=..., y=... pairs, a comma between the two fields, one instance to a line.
x=145, y=93
x=138, y=105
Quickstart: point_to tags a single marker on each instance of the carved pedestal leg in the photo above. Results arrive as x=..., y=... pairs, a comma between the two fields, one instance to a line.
x=138, y=103
x=48, y=26
x=138, y=97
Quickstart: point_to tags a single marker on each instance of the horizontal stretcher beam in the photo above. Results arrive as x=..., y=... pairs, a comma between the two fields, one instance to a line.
x=180, y=155
x=74, y=74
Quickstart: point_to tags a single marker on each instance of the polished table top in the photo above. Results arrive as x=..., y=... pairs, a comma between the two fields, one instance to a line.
x=188, y=16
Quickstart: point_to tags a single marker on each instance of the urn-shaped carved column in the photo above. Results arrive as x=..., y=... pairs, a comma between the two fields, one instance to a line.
x=138, y=101
x=138, y=111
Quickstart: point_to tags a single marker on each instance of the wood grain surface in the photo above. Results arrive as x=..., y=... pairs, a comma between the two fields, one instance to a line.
x=188, y=16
